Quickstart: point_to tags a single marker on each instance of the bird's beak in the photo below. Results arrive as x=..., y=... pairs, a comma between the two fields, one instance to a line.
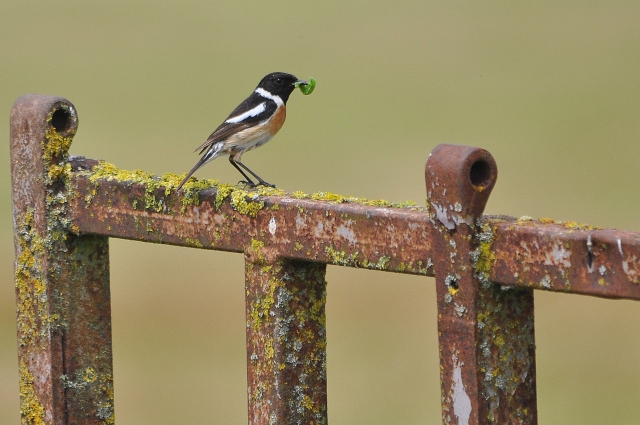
x=300, y=83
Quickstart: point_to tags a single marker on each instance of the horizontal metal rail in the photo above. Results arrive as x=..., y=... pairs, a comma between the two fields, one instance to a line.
x=566, y=257
x=312, y=230
x=486, y=267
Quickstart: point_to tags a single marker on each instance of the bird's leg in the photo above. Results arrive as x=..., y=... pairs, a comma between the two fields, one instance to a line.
x=262, y=182
x=248, y=181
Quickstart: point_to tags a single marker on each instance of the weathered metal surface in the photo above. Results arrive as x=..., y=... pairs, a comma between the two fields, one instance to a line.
x=528, y=253
x=286, y=339
x=486, y=336
x=565, y=257
x=349, y=234
x=486, y=269
x=62, y=285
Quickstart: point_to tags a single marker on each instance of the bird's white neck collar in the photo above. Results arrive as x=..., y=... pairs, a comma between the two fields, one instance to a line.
x=262, y=92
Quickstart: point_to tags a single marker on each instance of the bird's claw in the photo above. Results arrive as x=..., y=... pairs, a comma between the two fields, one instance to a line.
x=253, y=185
x=249, y=184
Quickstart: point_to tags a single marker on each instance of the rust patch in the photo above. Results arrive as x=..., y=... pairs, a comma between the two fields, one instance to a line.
x=486, y=337
x=62, y=279
x=286, y=338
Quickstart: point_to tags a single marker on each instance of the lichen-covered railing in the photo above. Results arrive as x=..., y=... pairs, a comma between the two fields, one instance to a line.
x=486, y=268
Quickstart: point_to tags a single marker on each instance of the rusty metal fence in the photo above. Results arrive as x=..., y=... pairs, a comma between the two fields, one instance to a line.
x=65, y=209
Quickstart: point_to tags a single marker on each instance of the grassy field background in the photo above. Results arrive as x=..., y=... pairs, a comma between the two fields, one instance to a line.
x=552, y=89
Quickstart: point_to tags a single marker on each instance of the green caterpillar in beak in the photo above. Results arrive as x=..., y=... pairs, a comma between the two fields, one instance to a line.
x=306, y=87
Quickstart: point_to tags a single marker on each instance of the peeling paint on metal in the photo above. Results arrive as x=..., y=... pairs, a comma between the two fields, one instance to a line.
x=559, y=256
x=273, y=226
x=345, y=231
x=461, y=401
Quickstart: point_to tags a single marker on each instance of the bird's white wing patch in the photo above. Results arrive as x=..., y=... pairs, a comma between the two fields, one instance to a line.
x=250, y=113
x=262, y=92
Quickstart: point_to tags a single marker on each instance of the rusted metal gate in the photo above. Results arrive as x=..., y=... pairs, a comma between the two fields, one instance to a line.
x=65, y=210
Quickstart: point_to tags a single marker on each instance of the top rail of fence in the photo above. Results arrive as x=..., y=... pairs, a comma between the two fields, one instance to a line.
x=556, y=256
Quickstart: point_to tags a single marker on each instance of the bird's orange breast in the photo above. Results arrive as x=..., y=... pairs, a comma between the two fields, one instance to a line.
x=277, y=121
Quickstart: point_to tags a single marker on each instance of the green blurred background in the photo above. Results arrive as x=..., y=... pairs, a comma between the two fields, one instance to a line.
x=551, y=88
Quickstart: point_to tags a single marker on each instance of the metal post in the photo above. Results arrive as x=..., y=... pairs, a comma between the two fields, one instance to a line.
x=62, y=278
x=486, y=333
x=286, y=338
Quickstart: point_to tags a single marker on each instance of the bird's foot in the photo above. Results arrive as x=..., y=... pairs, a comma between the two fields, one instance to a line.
x=247, y=183
x=250, y=184
x=264, y=183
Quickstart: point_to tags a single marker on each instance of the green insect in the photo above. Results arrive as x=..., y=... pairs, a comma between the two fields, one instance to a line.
x=308, y=87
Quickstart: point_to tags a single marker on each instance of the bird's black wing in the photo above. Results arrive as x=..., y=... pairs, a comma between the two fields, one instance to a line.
x=252, y=111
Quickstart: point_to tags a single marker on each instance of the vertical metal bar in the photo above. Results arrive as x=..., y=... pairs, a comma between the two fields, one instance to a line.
x=486, y=333
x=286, y=339
x=62, y=278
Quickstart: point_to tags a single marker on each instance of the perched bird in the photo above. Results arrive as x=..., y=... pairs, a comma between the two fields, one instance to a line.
x=252, y=124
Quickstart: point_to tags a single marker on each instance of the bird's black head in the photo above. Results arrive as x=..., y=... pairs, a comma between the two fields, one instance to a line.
x=279, y=84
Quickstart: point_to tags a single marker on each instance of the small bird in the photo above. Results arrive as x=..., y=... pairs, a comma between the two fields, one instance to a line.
x=252, y=124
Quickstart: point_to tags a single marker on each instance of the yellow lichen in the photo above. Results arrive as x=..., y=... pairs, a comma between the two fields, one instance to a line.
x=269, y=349
x=545, y=220
x=572, y=225
x=31, y=409
x=339, y=199
x=241, y=202
x=269, y=298
x=269, y=191
x=316, y=310
x=38, y=312
x=299, y=195
x=524, y=219
x=193, y=242
x=261, y=307
x=333, y=255
x=222, y=192
x=256, y=247
x=579, y=226
x=340, y=257
x=30, y=284
x=382, y=263
x=244, y=200
x=327, y=196
x=484, y=257
x=91, y=385
x=109, y=172
x=89, y=375
x=307, y=403
x=56, y=146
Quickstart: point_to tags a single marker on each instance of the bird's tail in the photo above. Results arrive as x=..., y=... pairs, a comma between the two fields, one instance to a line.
x=211, y=154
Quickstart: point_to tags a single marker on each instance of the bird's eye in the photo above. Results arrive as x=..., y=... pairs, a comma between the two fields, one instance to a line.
x=278, y=81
